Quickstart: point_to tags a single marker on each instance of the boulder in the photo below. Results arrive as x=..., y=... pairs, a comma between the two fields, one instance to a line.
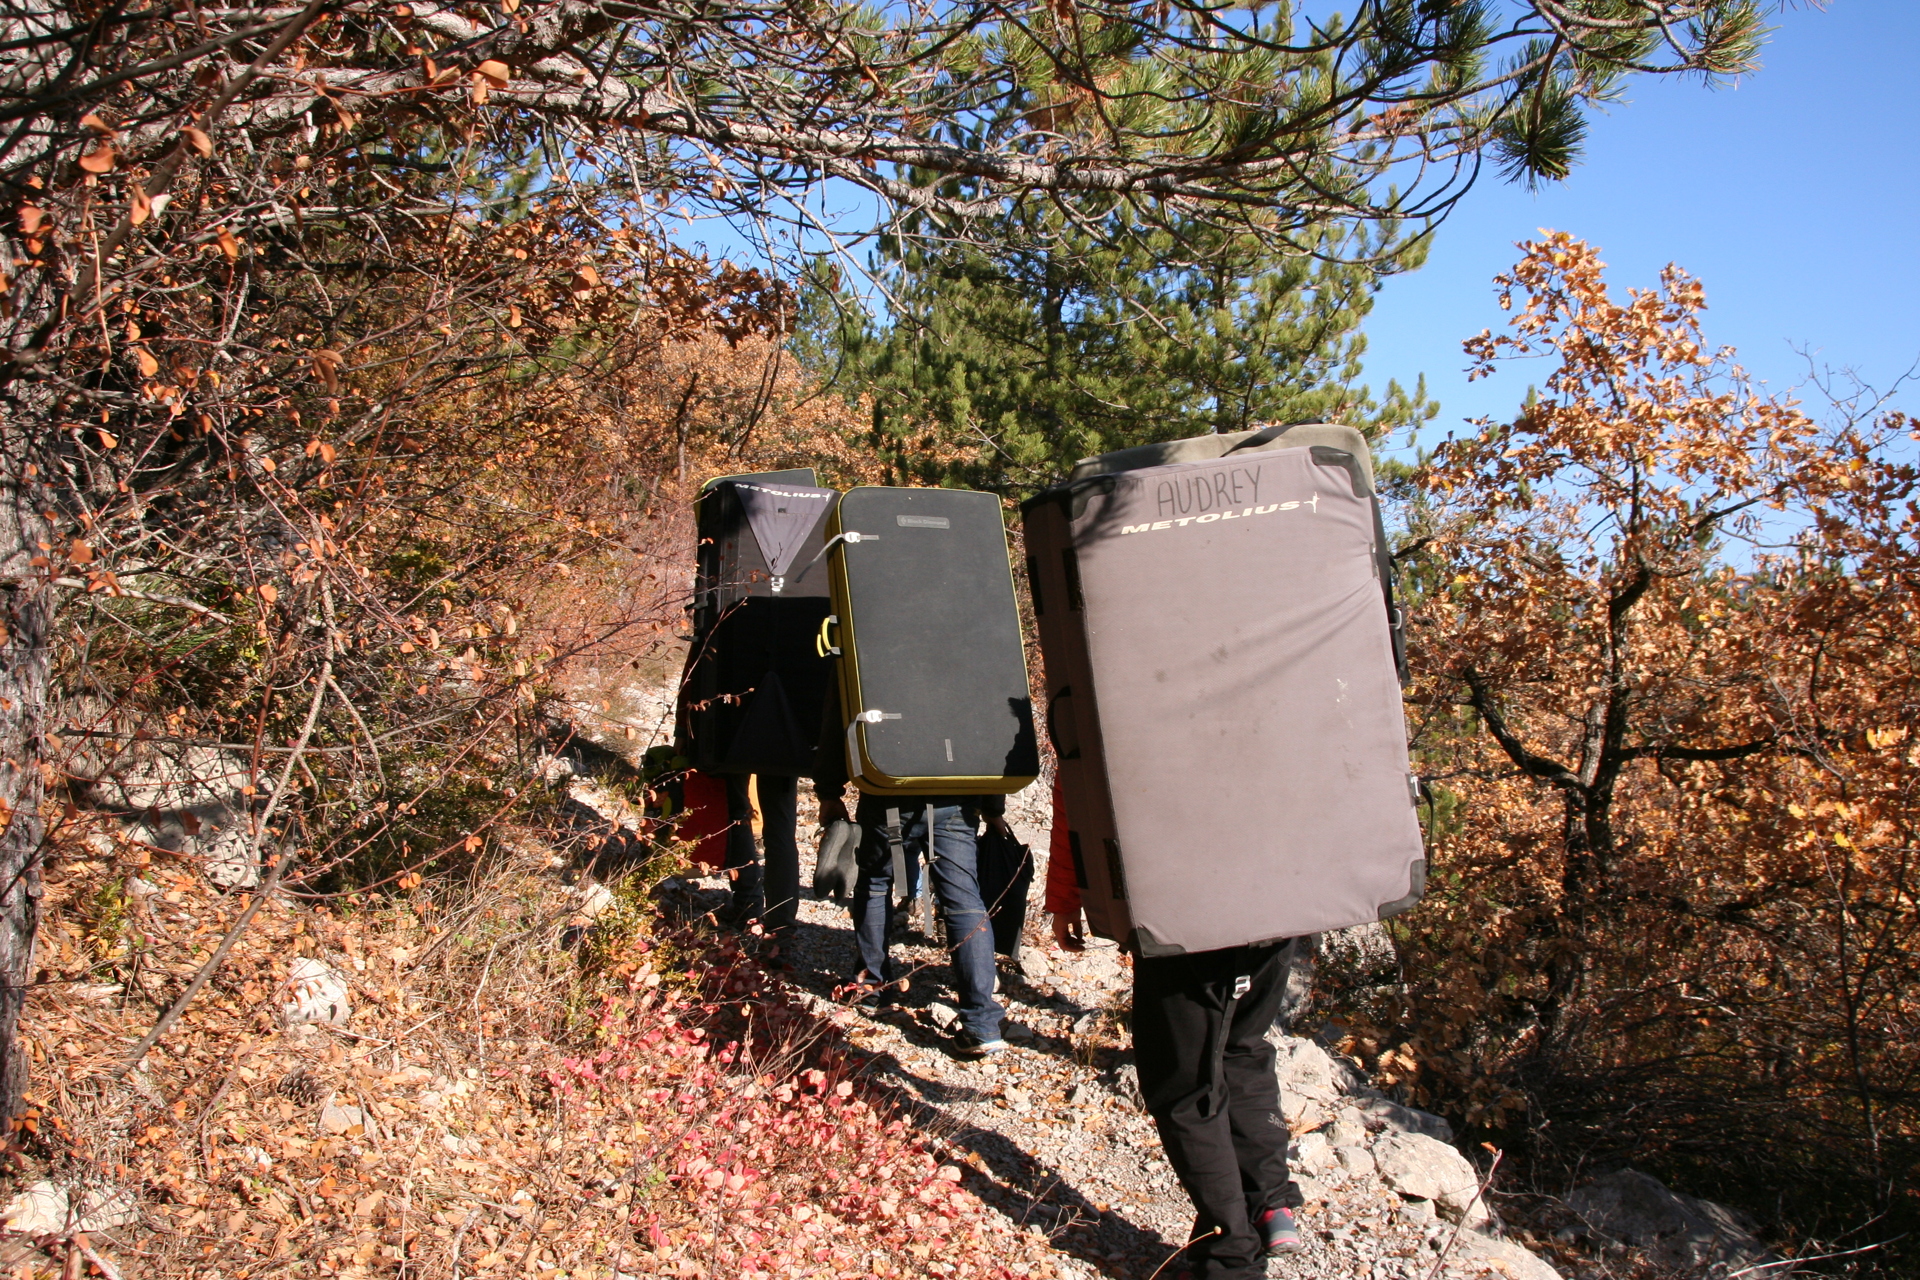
x=1676, y=1231
x=1385, y=1114
x=1424, y=1168
x=1502, y=1257
x=317, y=994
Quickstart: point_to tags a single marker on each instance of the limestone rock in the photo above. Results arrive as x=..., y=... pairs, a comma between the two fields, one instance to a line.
x=1034, y=964
x=1503, y=1257
x=339, y=1120
x=1677, y=1231
x=1357, y=1161
x=1425, y=1168
x=1384, y=1113
x=944, y=1015
x=318, y=994
x=46, y=1209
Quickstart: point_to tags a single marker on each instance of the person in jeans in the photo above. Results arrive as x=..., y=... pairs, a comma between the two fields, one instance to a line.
x=769, y=892
x=1206, y=1072
x=885, y=821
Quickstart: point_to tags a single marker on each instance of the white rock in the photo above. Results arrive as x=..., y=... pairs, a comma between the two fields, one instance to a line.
x=336, y=1119
x=1502, y=1256
x=1304, y=1068
x=1677, y=1231
x=1428, y=1169
x=1034, y=964
x=1384, y=1113
x=591, y=899
x=1357, y=1161
x=46, y=1208
x=943, y=1015
x=318, y=994
x=1347, y=1131
x=1311, y=1152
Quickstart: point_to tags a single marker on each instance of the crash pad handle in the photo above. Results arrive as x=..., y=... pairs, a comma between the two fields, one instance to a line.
x=1053, y=733
x=823, y=644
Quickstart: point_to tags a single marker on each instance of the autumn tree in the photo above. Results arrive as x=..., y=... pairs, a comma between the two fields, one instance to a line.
x=1662, y=675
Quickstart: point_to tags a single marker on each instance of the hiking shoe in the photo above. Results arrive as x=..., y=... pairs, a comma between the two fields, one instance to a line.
x=1280, y=1231
x=968, y=1045
x=870, y=994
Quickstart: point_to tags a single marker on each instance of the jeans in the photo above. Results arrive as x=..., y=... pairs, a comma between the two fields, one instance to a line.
x=775, y=900
x=956, y=885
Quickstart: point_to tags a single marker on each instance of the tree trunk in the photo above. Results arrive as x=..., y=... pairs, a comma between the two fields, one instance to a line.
x=26, y=619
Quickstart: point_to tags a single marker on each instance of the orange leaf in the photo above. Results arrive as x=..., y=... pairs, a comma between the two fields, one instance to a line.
x=95, y=123
x=81, y=552
x=269, y=592
x=228, y=245
x=32, y=218
x=99, y=159
x=198, y=140
x=479, y=89
x=496, y=73
x=148, y=365
x=139, y=208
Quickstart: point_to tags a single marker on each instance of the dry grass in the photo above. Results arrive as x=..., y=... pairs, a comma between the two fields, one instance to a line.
x=530, y=1094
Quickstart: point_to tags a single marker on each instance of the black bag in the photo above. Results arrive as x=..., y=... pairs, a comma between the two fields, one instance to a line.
x=834, y=871
x=1005, y=874
x=933, y=676
x=754, y=686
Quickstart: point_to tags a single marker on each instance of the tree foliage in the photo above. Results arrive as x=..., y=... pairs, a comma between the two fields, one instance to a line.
x=1665, y=684
x=1030, y=360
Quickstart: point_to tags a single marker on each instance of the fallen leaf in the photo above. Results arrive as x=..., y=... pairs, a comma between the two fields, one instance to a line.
x=148, y=365
x=99, y=159
x=269, y=593
x=95, y=123
x=32, y=218
x=496, y=73
x=139, y=208
x=199, y=141
x=228, y=245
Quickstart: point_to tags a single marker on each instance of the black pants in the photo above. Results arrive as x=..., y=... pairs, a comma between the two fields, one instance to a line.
x=775, y=901
x=1207, y=1074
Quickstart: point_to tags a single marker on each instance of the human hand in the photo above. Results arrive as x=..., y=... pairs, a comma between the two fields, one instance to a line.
x=1066, y=931
x=997, y=824
x=833, y=809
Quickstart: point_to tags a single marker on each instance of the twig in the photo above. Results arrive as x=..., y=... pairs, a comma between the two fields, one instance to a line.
x=1818, y=1257
x=1461, y=1225
x=265, y=891
x=177, y=602
x=1182, y=1249
x=459, y=1238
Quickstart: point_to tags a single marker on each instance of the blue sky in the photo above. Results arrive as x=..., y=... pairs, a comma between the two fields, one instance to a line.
x=1794, y=196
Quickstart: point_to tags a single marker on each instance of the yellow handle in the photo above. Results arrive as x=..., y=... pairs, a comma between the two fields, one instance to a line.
x=821, y=644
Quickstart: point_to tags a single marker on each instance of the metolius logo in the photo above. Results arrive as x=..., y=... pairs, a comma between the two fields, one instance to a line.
x=1312, y=504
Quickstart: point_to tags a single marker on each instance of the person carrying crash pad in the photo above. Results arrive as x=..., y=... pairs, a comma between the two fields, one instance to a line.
x=1206, y=1072
x=885, y=821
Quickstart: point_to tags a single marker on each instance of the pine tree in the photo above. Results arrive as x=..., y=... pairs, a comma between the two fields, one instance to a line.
x=1001, y=372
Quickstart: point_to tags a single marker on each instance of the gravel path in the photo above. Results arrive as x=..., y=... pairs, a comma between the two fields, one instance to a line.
x=1054, y=1127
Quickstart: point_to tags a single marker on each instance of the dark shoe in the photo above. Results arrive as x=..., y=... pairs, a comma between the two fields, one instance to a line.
x=1280, y=1231
x=968, y=1045
x=869, y=994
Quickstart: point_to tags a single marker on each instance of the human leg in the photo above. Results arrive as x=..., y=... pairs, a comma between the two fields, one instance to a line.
x=743, y=860
x=779, y=798
x=956, y=882
x=873, y=899
x=1182, y=1011
x=1259, y=1129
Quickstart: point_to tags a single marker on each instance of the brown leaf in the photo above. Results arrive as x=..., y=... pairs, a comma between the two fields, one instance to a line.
x=269, y=592
x=228, y=245
x=199, y=141
x=99, y=126
x=81, y=552
x=496, y=73
x=139, y=208
x=148, y=365
x=32, y=218
x=326, y=367
x=99, y=159
x=479, y=90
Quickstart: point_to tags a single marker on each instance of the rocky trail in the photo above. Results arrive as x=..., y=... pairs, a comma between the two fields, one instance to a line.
x=1056, y=1134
